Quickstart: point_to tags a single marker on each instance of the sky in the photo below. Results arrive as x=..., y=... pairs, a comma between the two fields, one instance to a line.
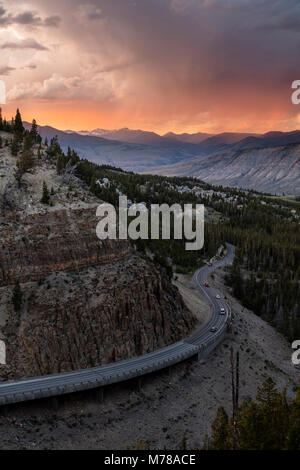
x=161, y=65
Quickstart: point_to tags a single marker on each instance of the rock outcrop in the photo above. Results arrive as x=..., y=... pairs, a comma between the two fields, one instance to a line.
x=32, y=246
x=85, y=302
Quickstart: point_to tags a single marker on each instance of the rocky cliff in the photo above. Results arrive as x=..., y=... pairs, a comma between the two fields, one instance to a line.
x=85, y=302
x=93, y=316
x=64, y=240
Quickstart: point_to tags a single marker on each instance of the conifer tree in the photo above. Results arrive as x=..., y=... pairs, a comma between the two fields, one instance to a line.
x=221, y=431
x=27, y=141
x=46, y=196
x=270, y=422
x=18, y=124
x=24, y=164
x=15, y=145
x=34, y=132
x=17, y=297
x=293, y=436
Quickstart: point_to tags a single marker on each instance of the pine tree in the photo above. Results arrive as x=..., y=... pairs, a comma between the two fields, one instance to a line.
x=15, y=146
x=267, y=394
x=27, y=141
x=293, y=436
x=18, y=124
x=46, y=196
x=251, y=433
x=60, y=164
x=24, y=164
x=34, y=132
x=17, y=297
x=221, y=431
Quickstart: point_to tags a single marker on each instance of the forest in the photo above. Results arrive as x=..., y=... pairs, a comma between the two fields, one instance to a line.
x=269, y=422
x=266, y=271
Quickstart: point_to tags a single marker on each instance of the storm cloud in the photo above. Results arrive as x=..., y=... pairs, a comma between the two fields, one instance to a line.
x=24, y=44
x=6, y=70
x=182, y=65
x=26, y=17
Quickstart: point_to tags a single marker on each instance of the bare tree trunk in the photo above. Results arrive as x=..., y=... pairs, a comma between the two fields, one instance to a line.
x=235, y=396
x=237, y=381
x=232, y=382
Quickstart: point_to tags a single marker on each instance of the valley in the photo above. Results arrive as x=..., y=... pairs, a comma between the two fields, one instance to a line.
x=149, y=229
x=70, y=302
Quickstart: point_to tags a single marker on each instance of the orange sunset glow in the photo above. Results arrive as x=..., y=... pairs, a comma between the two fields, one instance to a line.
x=161, y=65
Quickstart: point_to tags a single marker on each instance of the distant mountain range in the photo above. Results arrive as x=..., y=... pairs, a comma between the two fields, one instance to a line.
x=152, y=138
x=265, y=162
x=271, y=169
x=127, y=135
x=131, y=156
x=189, y=138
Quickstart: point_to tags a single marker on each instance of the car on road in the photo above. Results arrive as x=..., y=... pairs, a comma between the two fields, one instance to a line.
x=222, y=311
x=206, y=284
x=218, y=296
x=213, y=329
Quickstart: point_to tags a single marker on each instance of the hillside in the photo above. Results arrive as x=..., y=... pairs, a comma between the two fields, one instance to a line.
x=271, y=169
x=81, y=302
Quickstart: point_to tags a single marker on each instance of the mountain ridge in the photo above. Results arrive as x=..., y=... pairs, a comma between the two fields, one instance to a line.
x=221, y=159
x=270, y=169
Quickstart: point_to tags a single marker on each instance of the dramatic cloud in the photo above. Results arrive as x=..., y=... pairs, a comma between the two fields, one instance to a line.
x=6, y=70
x=53, y=20
x=24, y=44
x=59, y=87
x=184, y=65
x=27, y=17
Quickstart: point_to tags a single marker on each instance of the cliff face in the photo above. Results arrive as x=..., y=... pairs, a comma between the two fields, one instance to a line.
x=35, y=245
x=85, y=302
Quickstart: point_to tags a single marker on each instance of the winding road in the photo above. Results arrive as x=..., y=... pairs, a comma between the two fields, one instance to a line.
x=200, y=343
